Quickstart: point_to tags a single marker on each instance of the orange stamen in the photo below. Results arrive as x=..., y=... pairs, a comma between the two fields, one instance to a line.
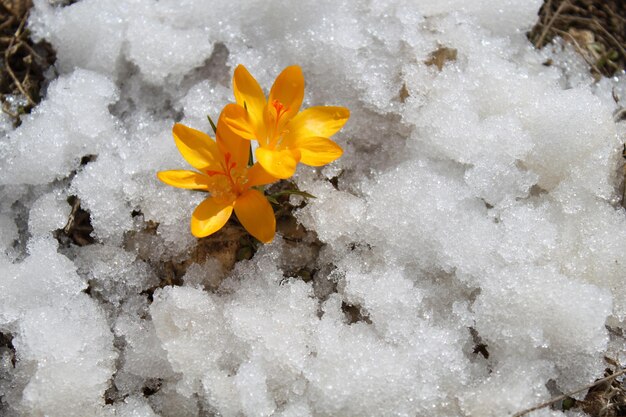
x=211, y=173
x=280, y=109
x=228, y=167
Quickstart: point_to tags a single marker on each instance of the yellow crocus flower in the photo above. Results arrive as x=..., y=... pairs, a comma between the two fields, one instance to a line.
x=222, y=170
x=286, y=135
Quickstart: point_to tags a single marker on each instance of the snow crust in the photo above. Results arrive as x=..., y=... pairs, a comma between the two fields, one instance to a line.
x=474, y=205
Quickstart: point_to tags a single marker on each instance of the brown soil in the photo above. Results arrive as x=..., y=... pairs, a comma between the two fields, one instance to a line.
x=596, y=28
x=22, y=61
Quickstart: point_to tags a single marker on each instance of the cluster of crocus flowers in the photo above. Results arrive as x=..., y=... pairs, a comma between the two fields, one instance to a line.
x=285, y=136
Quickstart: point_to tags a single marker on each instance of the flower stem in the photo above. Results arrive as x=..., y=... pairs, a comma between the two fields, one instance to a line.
x=212, y=125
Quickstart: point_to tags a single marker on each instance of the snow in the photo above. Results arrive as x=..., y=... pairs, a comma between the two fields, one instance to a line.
x=484, y=205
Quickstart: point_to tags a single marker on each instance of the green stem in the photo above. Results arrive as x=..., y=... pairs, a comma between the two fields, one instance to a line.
x=212, y=125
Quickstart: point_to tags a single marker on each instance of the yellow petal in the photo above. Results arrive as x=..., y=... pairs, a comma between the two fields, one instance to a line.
x=230, y=141
x=210, y=216
x=258, y=176
x=247, y=90
x=288, y=90
x=278, y=163
x=256, y=215
x=235, y=119
x=185, y=179
x=322, y=121
x=317, y=151
x=197, y=148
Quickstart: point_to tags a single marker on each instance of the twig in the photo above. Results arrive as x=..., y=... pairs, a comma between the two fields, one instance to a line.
x=6, y=110
x=30, y=49
x=616, y=15
x=18, y=32
x=18, y=84
x=549, y=9
x=9, y=10
x=72, y=216
x=578, y=48
x=7, y=55
x=569, y=394
x=543, y=21
x=545, y=30
x=615, y=41
x=7, y=23
x=599, y=26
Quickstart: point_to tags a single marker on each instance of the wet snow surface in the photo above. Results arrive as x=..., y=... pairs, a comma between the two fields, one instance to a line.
x=475, y=205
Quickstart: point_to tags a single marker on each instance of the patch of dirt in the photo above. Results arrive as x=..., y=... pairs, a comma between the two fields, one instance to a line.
x=607, y=399
x=78, y=229
x=23, y=62
x=596, y=29
x=7, y=350
x=354, y=314
x=231, y=244
x=440, y=56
